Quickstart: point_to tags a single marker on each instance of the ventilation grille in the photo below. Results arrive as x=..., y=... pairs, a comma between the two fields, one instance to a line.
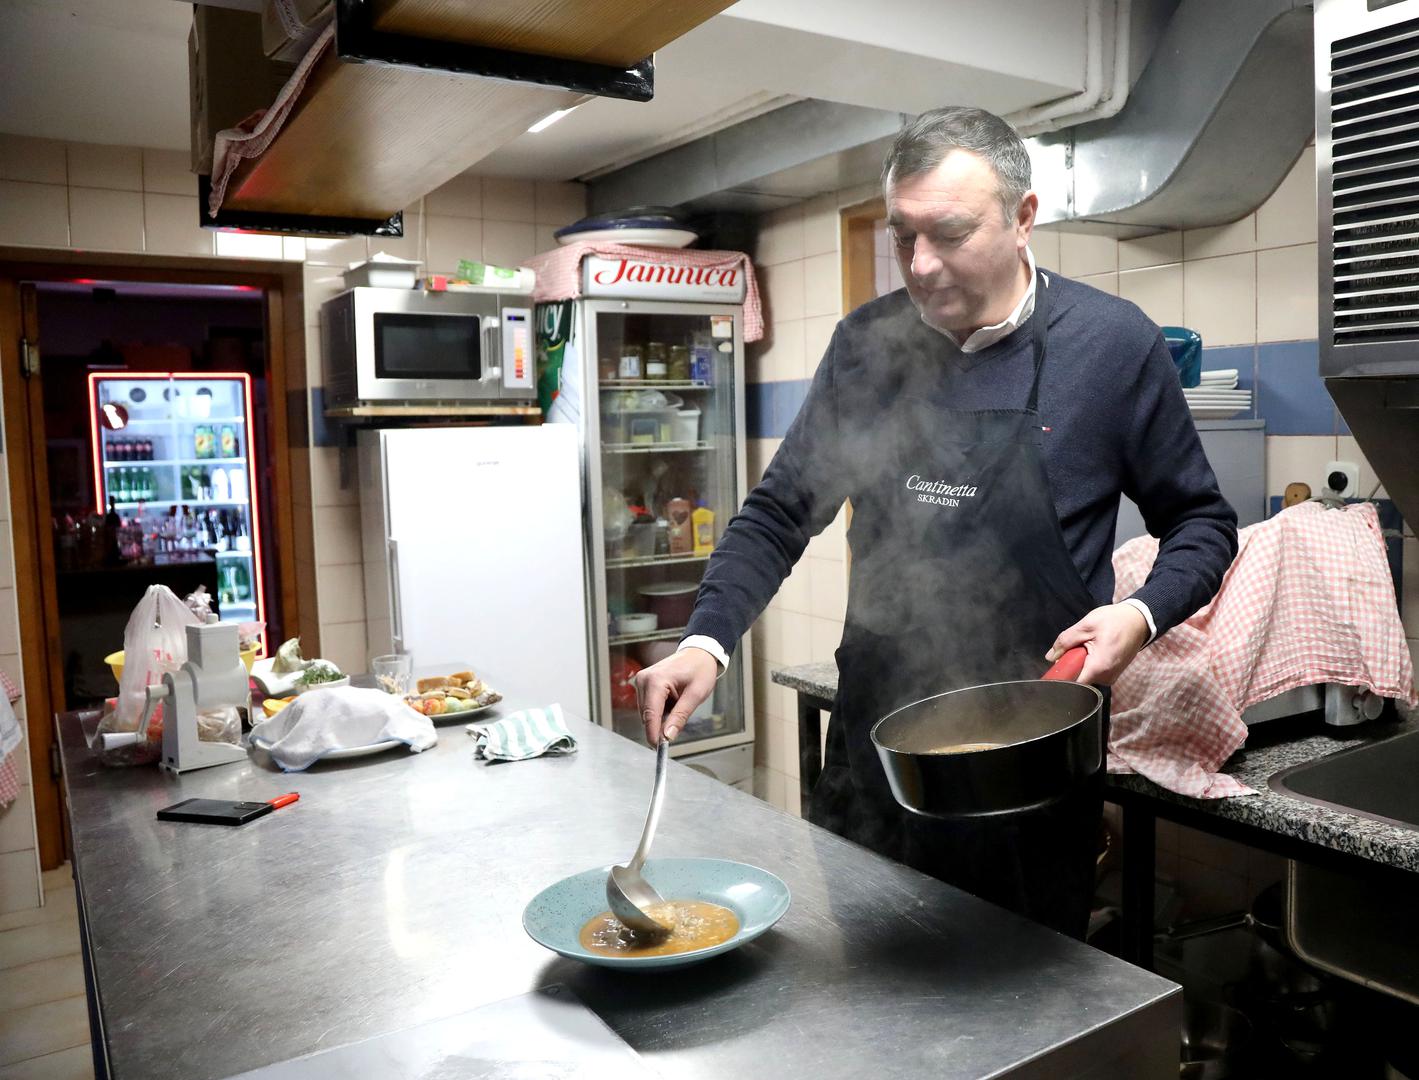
x=1374, y=125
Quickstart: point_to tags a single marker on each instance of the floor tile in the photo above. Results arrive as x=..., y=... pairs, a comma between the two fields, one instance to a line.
x=40, y=942
x=76, y=1063
x=43, y=1029
x=59, y=877
x=45, y=980
x=58, y=906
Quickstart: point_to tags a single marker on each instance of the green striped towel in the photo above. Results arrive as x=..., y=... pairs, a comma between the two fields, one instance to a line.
x=526, y=734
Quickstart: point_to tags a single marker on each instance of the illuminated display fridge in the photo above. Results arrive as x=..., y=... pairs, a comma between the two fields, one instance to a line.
x=173, y=457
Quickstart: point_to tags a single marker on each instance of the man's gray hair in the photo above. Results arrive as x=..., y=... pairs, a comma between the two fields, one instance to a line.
x=924, y=143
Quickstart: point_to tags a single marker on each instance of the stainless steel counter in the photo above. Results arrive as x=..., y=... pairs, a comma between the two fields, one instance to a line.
x=391, y=895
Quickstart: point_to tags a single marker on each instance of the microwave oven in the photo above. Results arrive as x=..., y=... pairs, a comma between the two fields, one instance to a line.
x=410, y=347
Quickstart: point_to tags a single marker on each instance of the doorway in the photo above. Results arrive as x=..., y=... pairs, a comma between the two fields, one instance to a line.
x=145, y=420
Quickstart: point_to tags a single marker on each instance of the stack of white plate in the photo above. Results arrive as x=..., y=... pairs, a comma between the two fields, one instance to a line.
x=1216, y=397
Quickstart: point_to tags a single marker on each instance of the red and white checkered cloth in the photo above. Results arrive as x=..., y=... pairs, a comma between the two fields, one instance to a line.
x=1309, y=600
x=559, y=272
x=10, y=762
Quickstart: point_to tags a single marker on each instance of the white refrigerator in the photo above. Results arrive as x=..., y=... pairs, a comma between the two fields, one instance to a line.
x=473, y=552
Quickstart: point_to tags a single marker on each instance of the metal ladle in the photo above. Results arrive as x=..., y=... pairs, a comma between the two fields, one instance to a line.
x=628, y=893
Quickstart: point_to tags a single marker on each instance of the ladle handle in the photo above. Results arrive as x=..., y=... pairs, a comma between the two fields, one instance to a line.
x=657, y=797
x=1068, y=666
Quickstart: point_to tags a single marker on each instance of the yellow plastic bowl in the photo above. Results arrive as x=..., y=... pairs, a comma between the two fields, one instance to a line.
x=115, y=661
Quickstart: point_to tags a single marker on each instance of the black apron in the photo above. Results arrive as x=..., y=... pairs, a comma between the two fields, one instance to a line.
x=960, y=576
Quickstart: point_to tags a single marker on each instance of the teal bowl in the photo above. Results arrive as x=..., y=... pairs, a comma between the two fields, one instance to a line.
x=555, y=916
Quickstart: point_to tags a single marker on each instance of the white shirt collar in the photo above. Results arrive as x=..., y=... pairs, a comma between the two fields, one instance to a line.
x=989, y=335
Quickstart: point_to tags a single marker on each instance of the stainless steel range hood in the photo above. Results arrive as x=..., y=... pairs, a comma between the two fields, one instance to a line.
x=1367, y=161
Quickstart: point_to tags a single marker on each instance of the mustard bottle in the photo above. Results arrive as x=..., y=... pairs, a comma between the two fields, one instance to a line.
x=703, y=526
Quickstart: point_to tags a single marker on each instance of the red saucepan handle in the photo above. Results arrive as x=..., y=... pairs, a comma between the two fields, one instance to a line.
x=1068, y=666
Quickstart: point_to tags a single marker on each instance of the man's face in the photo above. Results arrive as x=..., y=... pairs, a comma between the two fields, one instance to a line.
x=959, y=254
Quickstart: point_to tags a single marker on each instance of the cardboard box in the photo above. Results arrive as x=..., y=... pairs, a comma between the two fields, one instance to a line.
x=229, y=75
x=289, y=37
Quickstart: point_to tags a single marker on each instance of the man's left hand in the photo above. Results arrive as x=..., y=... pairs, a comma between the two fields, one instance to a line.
x=1113, y=634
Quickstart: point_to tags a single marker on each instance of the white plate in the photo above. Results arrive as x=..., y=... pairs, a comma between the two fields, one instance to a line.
x=664, y=238
x=348, y=752
x=461, y=713
x=1216, y=414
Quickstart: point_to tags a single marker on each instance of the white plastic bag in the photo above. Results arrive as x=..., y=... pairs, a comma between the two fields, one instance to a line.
x=154, y=642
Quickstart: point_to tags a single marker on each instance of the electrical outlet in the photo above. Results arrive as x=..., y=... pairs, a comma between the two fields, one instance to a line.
x=1342, y=478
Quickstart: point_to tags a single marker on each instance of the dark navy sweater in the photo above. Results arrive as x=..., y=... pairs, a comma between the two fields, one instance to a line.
x=1117, y=423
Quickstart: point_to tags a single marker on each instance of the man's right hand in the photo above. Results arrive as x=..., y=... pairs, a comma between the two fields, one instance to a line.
x=671, y=690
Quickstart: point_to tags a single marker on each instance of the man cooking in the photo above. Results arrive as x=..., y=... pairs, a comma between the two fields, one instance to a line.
x=984, y=422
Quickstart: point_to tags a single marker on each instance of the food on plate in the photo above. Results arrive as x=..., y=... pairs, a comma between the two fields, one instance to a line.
x=273, y=705
x=320, y=671
x=694, y=924
x=439, y=695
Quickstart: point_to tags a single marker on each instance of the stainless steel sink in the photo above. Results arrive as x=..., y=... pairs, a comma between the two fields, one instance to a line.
x=1375, y=781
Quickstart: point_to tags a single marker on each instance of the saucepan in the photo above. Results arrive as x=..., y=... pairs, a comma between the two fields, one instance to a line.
x=1000, y=748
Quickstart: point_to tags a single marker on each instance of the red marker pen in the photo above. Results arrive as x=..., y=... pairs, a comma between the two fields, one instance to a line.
x=284, y=800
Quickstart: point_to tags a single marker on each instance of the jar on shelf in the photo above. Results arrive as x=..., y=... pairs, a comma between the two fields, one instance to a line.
x=656, y=360
x=632, y=362
x=678, y=363
x=606, y=368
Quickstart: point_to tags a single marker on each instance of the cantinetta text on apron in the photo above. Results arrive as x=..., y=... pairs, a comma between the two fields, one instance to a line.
x=939, y=491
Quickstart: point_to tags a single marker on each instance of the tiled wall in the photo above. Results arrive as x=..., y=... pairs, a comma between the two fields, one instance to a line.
x=1249, y=288
x=74, y=196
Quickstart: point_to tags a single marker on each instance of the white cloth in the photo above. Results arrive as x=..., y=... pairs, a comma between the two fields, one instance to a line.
x=321, y=721
x=10, y=732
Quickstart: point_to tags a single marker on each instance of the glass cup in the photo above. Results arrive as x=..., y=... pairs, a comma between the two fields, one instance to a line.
x=393, y=672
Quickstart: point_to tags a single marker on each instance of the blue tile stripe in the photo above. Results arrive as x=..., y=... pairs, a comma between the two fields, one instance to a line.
x=1284, y=377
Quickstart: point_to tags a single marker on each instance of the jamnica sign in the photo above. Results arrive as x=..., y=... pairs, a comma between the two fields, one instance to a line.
x=646, y=279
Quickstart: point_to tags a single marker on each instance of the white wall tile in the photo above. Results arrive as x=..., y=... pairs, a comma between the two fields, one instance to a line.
x=780, y=237
x=782, y=288
x=9, y=626
x=1150, y=251
x=342, y=593
x=828, y=582
x=1158, y=290
x=1286, y=305
x=34, y=215
x=338, y=251
x=783, y=358
x=1289, y=215
x=817, y=333
x=822, y=285
x=17, y=824
x=546, y=238
x=104, y=220
x=325, y=479
x=1348, y=449
x=1103, y=282
x=822, y=228
x=1219, y=299
x=337, y=536
x=345, y=646
x=795, y=594
x=170, y=226
x=116, y=167
x=41, y=161
x=1297, y=459
x=796, y=643
x=1084, y=254
x=19, y=882
x=248, y=245
x=509, y=200
x=826, y=635
x=452, y=239
x=1220, y=239
x=1044, y=244
x=169, y=172
x=559, y=202
x=409, y=246
x=507, y=243
x=460, y=197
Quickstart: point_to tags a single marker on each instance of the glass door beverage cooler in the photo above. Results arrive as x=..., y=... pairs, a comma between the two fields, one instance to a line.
x=657, y=389
x=173, y=457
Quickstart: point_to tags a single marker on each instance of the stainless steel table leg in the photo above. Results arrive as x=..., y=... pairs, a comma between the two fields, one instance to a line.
x=810, y=744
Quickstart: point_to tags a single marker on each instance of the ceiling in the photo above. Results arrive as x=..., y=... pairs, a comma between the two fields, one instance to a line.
x=115, y=71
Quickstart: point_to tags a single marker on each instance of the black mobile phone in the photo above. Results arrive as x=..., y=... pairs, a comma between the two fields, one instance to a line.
x=214, y=811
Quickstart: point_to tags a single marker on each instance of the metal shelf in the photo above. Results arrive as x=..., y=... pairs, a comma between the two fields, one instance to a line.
x=650, y=635
x=186, y=502
x=652, y=560
x=654, y=448
x=134, y=421
x=658, y=384
x=239, y=460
